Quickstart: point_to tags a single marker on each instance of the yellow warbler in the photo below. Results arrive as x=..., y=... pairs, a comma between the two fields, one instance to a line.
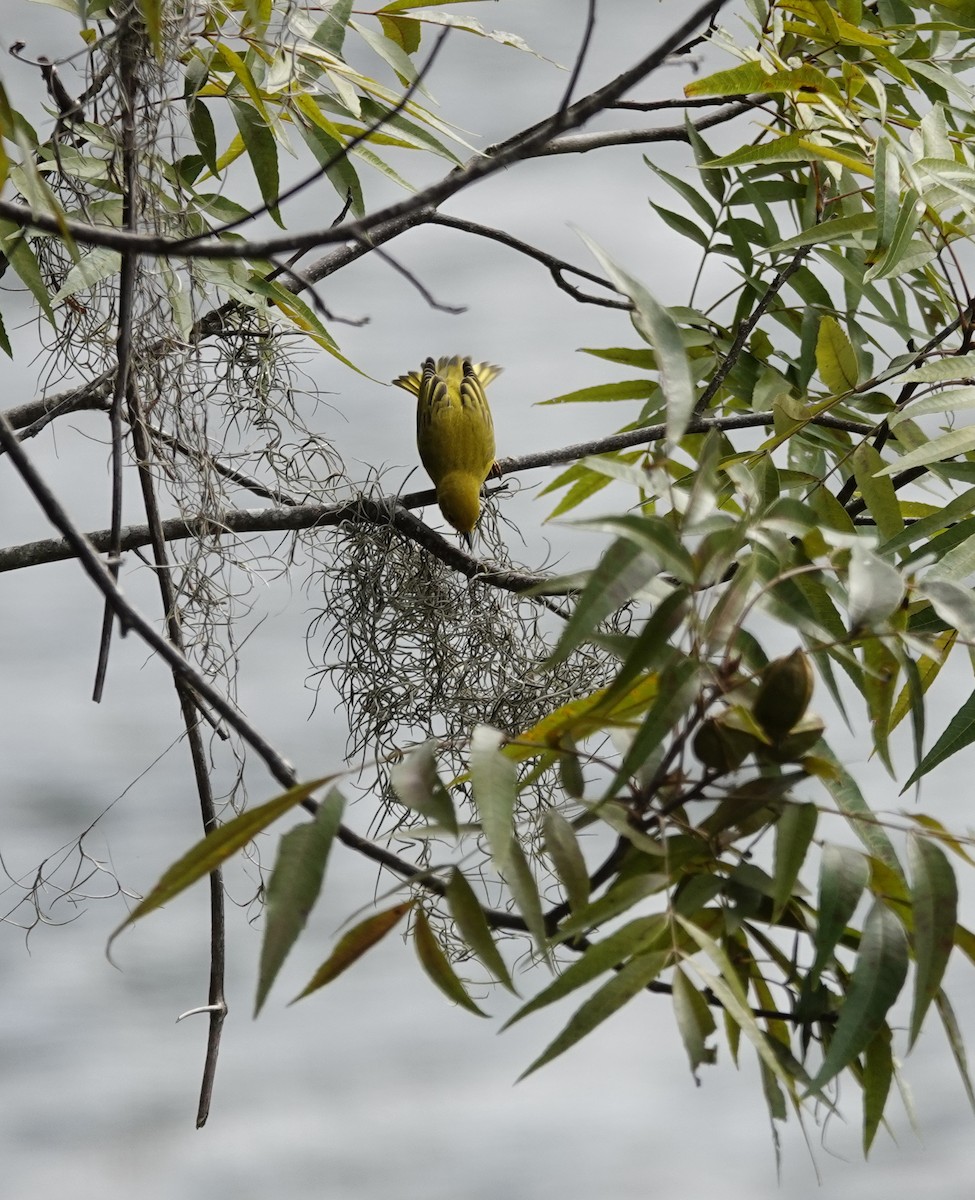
x=454, y=432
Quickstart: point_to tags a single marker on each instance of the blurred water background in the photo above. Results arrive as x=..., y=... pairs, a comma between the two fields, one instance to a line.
x=376, y=1086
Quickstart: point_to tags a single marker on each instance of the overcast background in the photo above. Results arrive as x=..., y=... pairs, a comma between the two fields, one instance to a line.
x=376, y=1086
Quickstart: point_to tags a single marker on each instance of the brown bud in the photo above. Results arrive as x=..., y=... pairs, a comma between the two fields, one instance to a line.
x=784, y=694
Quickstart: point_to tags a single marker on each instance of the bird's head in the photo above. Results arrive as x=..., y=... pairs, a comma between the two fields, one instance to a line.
x=459, y=497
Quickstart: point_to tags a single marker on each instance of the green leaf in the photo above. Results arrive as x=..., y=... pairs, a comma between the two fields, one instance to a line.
x=417, y=784
x=624, y=389
x=330, y=34
x=729, y=990
x=524, y=891
x=860, y=816
x=935, y=908
x=352, y=945
x=330, y=154
x=956, y=1042
x=622, y=895
x=494, y=779
x=694, y=1021
x=793, y=833
x=742, y=80
x=474, y=929
x=262, y=151
x=204, y=133
x=835, y=357
x=635, y=938
x=958, y=441
x=16, y=248
x=843, y=874
x=689, y=192
x=628, y=982
x=959, y=734
x=876, y=588
x=878, y=977
x=877, y=491
x=880, y=673
x=152, y=16
x=878, y=1071
x=678, y=687
x=655, y=536
x=651, y=648
x=434, y=962
x=655, y=324
x=562, y=846
x=217, y=846
x=624, y=569
x=294, y=887
x=952, y=602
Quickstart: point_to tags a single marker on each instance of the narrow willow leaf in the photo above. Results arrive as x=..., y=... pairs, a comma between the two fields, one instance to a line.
x=958, y=441
x=878, y=1071
x=689, y=192
x=562, y=846
x=950, y=400
x=956, y=1042
x=152, y=16
x=879, y=679
x=623, y=570
x=843, y=874
x=657, y=326
x=294, y=887
x=17, y=250
x=911, y=698
x=727, y=987
x=959, y=734
x=836, y=359
x=876, y=588
x=678, y=687
x=95, y=265
x=654, y=535
x=952, y=602
x=620, y=898
x=217, y=846
x=330, y=34
x=742, y=80
x=467, y=912
x=524, y=891
x=878, y=977
x=694, y=1021
x=624, y=389
x=935, y=896
x=635, y=938
x=352, y=945
x=262, y=151
x=955, y=562
x=494, y=779
x=434, y=962
x=628, y=982
x=580, y=718
x=877, y=491
x=417, y=784
x=793, y=833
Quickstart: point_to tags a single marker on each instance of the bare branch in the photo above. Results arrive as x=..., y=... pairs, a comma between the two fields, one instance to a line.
x=291, y=516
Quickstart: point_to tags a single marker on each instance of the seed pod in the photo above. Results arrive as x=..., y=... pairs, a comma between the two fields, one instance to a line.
x=721, y=746
x=784, y=694
x=798, y=741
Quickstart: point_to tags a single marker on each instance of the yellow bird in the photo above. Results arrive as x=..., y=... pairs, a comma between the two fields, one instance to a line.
x=454, y=432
